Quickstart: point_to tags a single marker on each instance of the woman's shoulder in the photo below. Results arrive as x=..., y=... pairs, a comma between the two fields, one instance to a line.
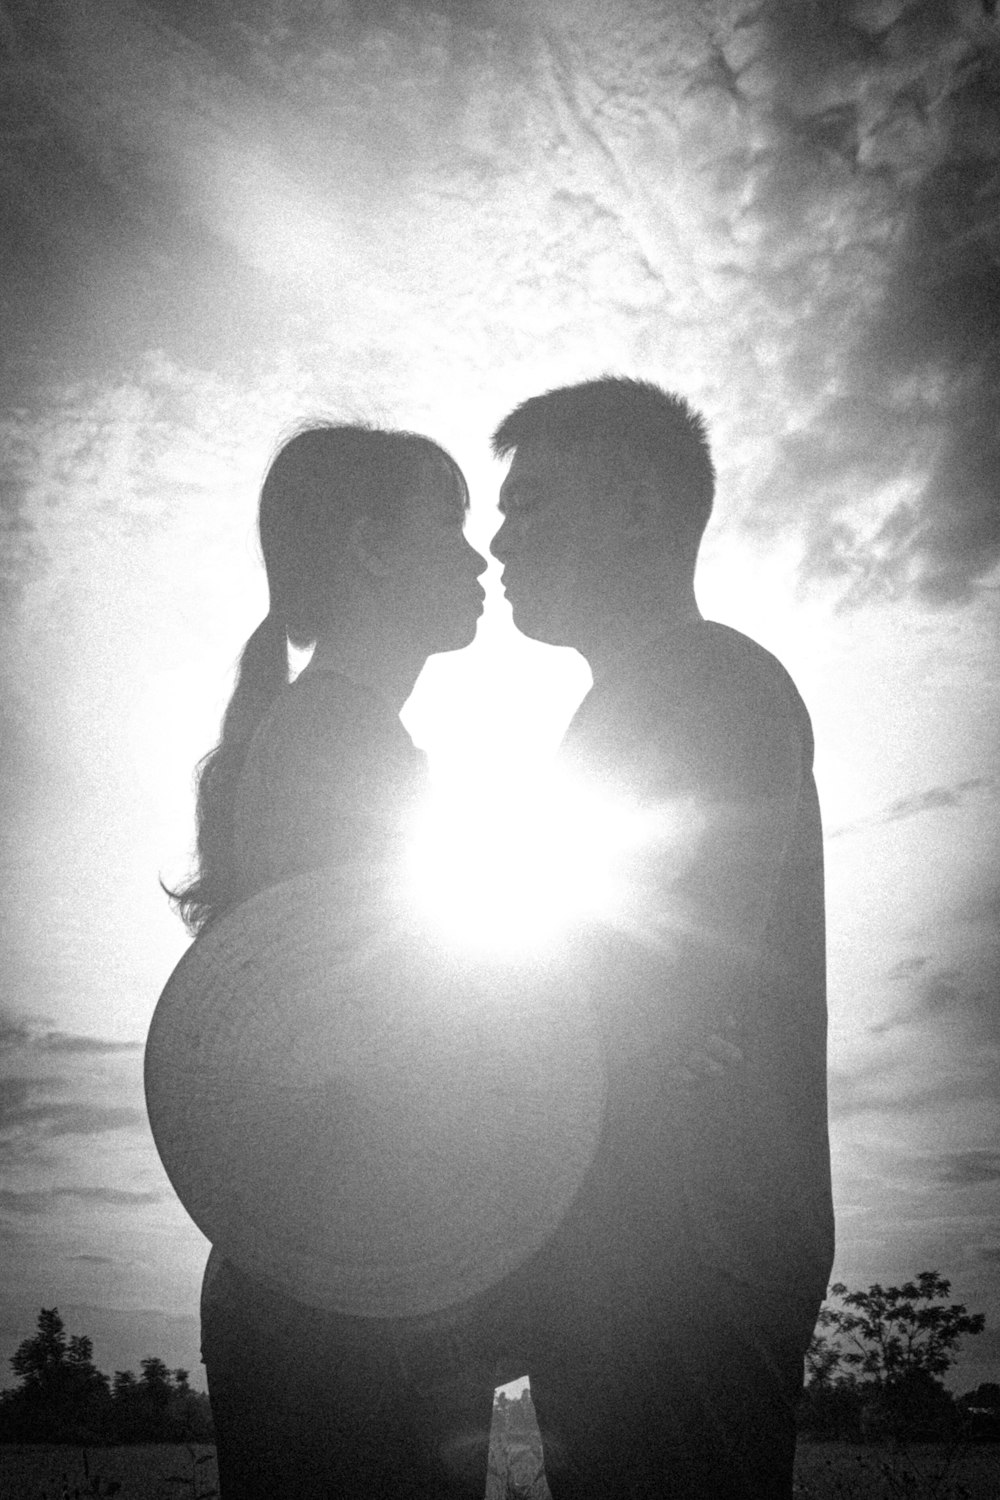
x=330, y=775
x=325, y=693
x=325, y=714
x=329, y=738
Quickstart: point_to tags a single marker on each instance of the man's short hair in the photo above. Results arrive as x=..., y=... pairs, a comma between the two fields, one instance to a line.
x=621, y=423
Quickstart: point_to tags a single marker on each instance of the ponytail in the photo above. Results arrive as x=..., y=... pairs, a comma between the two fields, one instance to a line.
x=260, y=677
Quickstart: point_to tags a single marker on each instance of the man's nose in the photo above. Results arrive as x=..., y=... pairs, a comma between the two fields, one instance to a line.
x=498, y=546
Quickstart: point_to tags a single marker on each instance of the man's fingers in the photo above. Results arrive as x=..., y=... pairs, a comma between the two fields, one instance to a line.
x=722, y=1048
x=716, y=1056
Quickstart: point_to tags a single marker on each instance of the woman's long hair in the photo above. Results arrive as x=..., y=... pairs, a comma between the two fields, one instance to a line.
x=321, y=481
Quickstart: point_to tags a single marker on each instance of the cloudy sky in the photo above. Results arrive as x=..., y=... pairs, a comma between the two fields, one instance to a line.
x=222, y=218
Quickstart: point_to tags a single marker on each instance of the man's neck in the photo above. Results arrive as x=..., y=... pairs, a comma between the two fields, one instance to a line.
x=638, y=629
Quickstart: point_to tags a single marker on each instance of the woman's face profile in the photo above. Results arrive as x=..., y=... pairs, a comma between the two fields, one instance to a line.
x=434, y=587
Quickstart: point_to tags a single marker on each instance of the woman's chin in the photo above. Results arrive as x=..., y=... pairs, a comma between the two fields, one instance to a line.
x=457, y=639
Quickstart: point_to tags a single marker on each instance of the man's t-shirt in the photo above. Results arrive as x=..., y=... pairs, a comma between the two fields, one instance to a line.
x=724, y=934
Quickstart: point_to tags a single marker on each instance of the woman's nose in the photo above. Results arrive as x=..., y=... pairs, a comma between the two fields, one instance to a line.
x=482, y=563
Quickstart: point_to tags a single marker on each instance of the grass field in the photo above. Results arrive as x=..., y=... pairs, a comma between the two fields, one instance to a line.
x=846, y=1471
x=824, y=1471
x=149, y=1472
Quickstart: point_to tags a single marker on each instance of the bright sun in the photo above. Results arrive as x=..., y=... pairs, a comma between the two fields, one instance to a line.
x=511, y=874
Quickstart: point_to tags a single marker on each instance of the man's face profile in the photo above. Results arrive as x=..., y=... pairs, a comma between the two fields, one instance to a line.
x=562, y=542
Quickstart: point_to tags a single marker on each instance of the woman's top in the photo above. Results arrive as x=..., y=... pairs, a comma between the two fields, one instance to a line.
x=329, y=779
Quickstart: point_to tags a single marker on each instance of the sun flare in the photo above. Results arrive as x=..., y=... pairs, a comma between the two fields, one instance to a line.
x=511, y=874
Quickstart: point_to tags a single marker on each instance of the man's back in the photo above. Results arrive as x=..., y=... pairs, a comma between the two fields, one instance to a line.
x=722, y=936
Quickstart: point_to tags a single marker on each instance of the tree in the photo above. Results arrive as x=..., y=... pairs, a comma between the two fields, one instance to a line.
x=61, y=1390
x=521, y=1414
x=190, y=1415
x=981, y=1411
x=893, y=1332
x=986, y=1396
x=824, y=1360
x=832, y=1399
x=126, y=1403
x=63, y=1398
x=39, y=1361
x=885, y=1350
x=160, y=1407
x=155, y=1383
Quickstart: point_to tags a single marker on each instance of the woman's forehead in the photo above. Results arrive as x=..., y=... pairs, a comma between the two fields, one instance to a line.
x=443, y=480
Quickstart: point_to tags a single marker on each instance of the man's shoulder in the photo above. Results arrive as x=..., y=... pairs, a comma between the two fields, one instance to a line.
x=705, y=668
x=709, y=655
x=710, y=703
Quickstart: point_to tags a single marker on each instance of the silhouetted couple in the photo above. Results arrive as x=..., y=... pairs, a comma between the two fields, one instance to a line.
x=664, y=1322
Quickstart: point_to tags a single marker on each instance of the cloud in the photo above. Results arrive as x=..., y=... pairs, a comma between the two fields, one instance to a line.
x=757, y=191
x=936, y=797
x=26, y=758
x=938, y=991
x=876, y=1087
x=901, y=1083
x=280, y=143
x=61, y=1041
x=909, y=968
x=15, y=1032
x=969, y=1168
x=48, y=1118
x=932, y=799
x=14, y=1099
x=959, y=1004
x=29, y=1202
x=22, y=1035
x=25, y=1203
x=29, y=1114
x=940, y=324
x=71, y=1110
x=113, y=1197
x=885, y=127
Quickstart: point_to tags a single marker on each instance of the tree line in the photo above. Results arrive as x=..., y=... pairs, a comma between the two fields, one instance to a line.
x=876, y=1365
x=62, y=1397
x=875, y=1370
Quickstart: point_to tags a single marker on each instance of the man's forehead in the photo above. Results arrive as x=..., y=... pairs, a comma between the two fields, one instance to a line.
x=538, y=459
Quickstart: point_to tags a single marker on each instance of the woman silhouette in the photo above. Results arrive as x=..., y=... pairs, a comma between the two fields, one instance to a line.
x=362, y=539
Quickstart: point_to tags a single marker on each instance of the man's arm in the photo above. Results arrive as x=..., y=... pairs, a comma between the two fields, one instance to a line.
x=712, y=992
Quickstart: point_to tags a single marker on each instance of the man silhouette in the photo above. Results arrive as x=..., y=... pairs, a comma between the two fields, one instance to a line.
x=670, y=1314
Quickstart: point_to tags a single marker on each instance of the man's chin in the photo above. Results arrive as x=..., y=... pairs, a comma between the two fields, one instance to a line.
x=538, y=627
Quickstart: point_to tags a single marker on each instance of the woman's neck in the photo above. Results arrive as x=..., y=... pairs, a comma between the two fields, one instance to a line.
x=369, y=660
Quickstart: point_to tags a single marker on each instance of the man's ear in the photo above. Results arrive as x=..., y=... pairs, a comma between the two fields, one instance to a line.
x=642, y=504
x=366, y=547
